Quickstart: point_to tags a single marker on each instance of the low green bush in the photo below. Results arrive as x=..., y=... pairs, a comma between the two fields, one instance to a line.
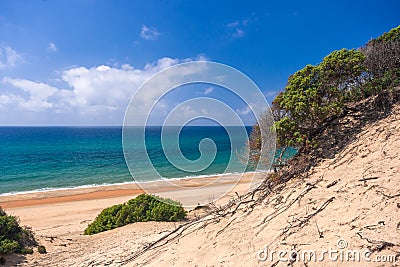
x=143, y=208
x=26, y=251
x=13, y=237
x=42, y=249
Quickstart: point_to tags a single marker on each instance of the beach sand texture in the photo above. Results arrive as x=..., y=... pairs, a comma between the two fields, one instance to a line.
x=58, y=218
x=347, y=203
x=332, y=204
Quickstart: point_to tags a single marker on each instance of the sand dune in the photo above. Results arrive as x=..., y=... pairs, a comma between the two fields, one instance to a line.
x=348, y=204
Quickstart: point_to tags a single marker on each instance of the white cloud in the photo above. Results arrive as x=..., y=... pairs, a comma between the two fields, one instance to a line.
x=233, y=24
x=204, y=111
x=238, y=33
x=246, y=110
x=271, y=94
x=209, y=90
x=37, y=94
x=52, y=47
x=9, y=57
x=237, y=28
x=97, y=95
x=149, y=33
x=38, y=90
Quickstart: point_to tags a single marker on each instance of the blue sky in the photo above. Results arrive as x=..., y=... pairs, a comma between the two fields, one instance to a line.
x=79, y=62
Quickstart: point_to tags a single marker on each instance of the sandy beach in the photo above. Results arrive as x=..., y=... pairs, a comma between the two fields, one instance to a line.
x=201, y=191
x=59, y=217
x=359, y=208
x=351, y=198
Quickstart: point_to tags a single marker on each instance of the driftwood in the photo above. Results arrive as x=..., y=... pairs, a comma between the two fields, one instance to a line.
x=299, y=223
x=379, y=244
x=303, y=221
x=299, y=196
x=367, y=179
x=332, y=184
x=390, y=196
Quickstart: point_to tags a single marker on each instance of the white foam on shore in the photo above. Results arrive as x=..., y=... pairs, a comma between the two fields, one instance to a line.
x=50, y=189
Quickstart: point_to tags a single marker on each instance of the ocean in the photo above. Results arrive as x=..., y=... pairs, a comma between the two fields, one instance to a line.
x=51, y=158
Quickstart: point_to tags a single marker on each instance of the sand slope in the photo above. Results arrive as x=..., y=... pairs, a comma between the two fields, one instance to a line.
x=332, y=208
x=330, y=203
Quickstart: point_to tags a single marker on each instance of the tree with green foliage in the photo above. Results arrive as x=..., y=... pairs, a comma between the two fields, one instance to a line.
x=342, y=75
x=317, y=94
x=392, y=35
x=143, y=208
x=383, y=62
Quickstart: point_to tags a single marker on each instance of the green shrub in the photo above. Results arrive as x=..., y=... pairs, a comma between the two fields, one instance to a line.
x=8, y=246
x=143, y=208
x=392, y=35
x=13, y=237
x=42, y=249
x=26, y=251
x=383, y=62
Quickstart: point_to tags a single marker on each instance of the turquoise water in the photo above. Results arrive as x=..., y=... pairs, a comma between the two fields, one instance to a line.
x=46, y=158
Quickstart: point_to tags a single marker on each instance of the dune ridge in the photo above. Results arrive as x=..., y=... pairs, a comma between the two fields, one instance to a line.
x=348, y=203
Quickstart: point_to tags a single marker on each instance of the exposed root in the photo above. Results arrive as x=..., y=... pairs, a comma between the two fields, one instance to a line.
x=333, y=137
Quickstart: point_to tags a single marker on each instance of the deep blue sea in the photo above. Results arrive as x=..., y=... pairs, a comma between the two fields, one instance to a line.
x=47, y=158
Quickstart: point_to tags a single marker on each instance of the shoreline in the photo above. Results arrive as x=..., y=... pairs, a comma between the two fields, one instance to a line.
x=51, y=189
x=163, y=187
x=59, y=218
